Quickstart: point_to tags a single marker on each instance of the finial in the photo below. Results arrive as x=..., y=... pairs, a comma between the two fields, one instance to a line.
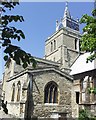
x=71, y=17
x=61, y=19
x=66, y=12
x=66, y=3
x=56, y=23
x=77, y=19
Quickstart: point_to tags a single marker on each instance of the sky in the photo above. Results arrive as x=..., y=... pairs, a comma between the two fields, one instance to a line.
x=40, y=23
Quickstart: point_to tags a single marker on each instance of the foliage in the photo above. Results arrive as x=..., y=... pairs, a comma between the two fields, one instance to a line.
x=92, y=90
x=4, y=106
x=10, y=33
x=85, y=115
x=88, y=40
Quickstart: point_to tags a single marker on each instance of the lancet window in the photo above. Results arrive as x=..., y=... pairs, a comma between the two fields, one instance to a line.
x=18, y=90
x=13, y=92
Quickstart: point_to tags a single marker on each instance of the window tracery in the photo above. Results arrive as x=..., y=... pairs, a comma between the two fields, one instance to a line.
x=51, y=93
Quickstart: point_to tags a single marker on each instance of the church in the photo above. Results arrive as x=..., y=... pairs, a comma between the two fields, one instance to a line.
x=58, y=86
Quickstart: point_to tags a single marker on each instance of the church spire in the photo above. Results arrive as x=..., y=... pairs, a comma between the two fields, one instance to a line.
x=66, y=12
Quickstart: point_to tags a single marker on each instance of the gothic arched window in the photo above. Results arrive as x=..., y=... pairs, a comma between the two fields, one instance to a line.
x=18, y=90
x=54, y=44
x=13, y=92
x=51, y=46
x=51, y=93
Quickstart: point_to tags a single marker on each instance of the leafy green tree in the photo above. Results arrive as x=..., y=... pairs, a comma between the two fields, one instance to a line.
x=10, y=33
x=88, y=40
x=85, y=115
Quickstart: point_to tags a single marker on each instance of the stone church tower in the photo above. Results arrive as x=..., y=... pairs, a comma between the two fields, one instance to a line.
x=63, y=45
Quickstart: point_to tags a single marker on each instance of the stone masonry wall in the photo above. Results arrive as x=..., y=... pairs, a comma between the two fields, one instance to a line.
x=42, y=109
x=14, y=106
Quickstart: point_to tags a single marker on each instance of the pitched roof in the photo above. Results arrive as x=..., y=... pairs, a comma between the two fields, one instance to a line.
x=80, y=65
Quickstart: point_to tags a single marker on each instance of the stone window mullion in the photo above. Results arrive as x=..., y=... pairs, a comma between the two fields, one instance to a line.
x=49, y=95
x=53, y=95
x=88, y=86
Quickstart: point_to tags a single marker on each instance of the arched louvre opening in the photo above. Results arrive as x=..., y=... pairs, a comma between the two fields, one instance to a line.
x=51, y=93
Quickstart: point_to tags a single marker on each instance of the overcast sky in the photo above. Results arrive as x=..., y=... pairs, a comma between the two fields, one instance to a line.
x=40, y=21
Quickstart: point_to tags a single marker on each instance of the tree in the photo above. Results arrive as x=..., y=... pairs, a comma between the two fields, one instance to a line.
x=84, y=114
x=88, y=40
x=10, y=33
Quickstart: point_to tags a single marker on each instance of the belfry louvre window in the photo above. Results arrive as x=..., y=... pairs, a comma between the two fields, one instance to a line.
x=51, y=46
x=51, y=93
x=54, y=44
